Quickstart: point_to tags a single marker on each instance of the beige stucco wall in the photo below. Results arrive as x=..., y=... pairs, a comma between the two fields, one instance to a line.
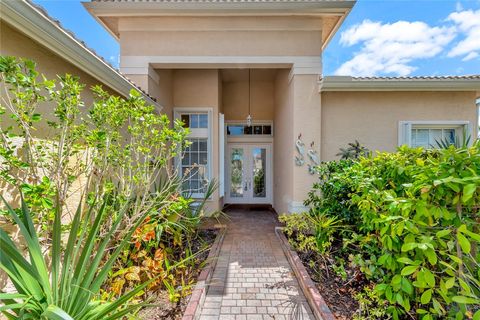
x=307, y=120
x=216, y=36
x=283, y=143
x=235, y=100
x=14, y=43
x=373, y=117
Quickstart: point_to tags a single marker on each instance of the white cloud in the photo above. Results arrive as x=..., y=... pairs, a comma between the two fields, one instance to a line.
x=468, y=24
x=390, y=48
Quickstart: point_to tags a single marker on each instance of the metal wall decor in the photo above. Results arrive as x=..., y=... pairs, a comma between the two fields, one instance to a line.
x=311, y=153
x=300, y=158
x=314, y=158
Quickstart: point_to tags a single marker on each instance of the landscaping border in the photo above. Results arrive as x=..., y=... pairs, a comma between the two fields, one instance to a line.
x=320, y=309
x=197, y=297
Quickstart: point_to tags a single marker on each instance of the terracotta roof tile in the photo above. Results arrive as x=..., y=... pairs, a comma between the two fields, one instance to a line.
x=462, y=77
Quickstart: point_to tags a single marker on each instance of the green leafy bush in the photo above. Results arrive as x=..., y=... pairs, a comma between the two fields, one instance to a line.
x=311, y=230
x=331, y=194
x=116, y=149
x=414, y=227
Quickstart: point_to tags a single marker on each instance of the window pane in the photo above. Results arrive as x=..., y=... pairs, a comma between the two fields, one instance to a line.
x=186, y=159
x=267, y=130
x=194, y=158
x=195, y=145
x=435, y=137
x=421, y=138
x=186, y=120
x=194, y=121
x=259, y=181
x=449, y=135
x=203, y=158
x=203, y=145
x=235, y=130
x=203, y=121
x=247, y=130
x=236, y=173
x=257, y=130
x=194, y=166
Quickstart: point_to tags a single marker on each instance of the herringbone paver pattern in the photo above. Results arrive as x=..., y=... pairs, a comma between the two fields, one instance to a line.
x=252, y=278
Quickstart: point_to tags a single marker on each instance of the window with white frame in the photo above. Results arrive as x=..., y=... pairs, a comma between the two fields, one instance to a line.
x=195, y=162
x=432, y=134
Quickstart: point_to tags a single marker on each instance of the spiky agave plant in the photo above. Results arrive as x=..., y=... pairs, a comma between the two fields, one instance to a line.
x=70, y=289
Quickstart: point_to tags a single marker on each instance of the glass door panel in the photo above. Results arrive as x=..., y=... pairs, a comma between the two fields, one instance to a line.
x=259, y=182
x=237, y=169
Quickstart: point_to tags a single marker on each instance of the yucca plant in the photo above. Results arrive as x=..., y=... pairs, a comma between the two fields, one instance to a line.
x=70, y=289
x=445, y=143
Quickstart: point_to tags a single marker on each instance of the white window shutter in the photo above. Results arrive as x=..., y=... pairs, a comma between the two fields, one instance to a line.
x=404, y=133
x=221, y=153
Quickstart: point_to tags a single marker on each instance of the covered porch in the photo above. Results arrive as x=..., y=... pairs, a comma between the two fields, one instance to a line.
x=254, y=163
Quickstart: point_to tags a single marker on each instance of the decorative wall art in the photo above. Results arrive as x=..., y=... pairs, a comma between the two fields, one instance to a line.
x=314, y=158
x=311, y=153
x=300, y=158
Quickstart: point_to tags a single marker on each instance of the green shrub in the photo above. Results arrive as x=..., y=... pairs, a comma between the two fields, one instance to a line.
x=116, y=149
x=331, y=195
x=415, y=219
x=311, y=230
x=421, y=208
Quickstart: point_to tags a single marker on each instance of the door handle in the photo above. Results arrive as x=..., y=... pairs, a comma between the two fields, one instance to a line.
x=246, y=186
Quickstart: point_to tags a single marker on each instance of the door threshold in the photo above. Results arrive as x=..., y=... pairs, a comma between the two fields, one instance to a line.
x=248, y=207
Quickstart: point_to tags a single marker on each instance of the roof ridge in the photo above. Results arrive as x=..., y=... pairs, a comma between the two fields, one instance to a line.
x=426, y=77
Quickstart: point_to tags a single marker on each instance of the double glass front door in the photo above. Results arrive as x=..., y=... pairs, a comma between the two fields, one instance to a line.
x=249, y=173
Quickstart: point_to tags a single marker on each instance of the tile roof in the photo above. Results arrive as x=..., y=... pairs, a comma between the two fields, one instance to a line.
x=82, y=43
x=414, y=83
x=462, y=77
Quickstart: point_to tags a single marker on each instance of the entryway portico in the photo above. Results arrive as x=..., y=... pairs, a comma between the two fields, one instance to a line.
x=197, y=54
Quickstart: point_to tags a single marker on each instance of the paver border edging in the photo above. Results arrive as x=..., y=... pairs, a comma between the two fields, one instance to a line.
x=320, y=309
x=197, y=297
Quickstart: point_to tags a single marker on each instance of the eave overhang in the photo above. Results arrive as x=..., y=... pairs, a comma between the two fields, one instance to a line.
x=31, y=21
x=453, y=83
x=338, y=8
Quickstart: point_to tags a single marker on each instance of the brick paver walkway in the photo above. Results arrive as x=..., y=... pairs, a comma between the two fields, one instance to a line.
x=252, y=278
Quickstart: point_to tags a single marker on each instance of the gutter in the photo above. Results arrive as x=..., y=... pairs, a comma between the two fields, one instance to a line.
x=145, y=8
x=343, y=83
x=30, y=20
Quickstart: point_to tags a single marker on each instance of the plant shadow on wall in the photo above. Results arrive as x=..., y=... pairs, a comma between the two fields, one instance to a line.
x=103, y=222
x=395, y=235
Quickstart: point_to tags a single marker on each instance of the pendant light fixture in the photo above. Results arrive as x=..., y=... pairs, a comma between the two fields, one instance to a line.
x=249, y=117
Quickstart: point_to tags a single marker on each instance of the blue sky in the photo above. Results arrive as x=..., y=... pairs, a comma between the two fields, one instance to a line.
x=389, y=37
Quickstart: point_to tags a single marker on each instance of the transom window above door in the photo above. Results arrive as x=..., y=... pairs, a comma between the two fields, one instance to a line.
x=257, y=129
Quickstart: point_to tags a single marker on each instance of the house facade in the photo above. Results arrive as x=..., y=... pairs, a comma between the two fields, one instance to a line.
x=246, y=77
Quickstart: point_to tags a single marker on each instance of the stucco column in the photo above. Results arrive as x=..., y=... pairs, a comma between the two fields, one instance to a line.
x=307, y=122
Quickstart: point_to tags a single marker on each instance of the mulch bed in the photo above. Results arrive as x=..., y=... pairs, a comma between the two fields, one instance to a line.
x=338, y=293
x=166, y=310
